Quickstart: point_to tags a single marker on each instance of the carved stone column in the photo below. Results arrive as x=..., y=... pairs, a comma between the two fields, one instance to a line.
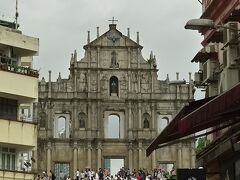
x=140, y=155
x=129, y=82
x=75, y=118
x=154, y=159
x=75, y=81
x=89, y=154
x=89, y=124
x=153, y=114
x=179, y=155
x=129, y=58
x=130, y=157
x=139, y=115
x=75, y=157
x=51, y=120
x=138, y=58
x=99, y=155
x=130, y=115
x=49, y=158
x=98, y=57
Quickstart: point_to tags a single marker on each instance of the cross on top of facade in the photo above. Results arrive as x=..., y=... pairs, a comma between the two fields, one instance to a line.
x=113, y=20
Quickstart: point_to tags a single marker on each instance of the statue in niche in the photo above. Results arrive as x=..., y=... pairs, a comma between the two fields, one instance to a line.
x=114, y=63
x=81, y=122
x=113, y=87
x=146, y=123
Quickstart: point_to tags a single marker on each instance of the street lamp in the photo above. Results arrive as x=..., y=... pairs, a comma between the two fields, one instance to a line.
x=200, y=24
x=205, y=24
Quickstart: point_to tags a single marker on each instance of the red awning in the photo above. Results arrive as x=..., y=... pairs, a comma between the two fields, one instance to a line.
x=200, y=115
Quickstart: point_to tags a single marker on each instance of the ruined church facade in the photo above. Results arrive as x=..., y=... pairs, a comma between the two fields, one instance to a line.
x=111, y=106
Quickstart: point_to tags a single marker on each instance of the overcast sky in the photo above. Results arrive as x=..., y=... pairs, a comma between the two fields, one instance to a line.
x=62, y=26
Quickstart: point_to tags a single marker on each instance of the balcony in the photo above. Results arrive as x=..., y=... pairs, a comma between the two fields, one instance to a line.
x=21, y=134
x=18, y=83
x=22, y=45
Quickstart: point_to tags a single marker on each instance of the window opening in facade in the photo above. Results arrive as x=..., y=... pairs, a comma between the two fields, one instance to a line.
x=113, y=126
x=61, y=127
x=162, y=123
x=82, y=120
x=8, y=109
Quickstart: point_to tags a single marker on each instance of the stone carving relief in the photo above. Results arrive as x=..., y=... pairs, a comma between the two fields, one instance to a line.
x=123, y=85
x=114, y=38
x=145, y=82
x=82, y=82
x=104, y=58
x=134, y=82
x=94, y=83
x=134, y=56
x=114, y=63
x=104, y=85
x=82, y=119
x=93, y=55
x=123, y=82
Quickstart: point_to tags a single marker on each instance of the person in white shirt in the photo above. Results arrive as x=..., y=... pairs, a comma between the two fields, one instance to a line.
x=77, y=174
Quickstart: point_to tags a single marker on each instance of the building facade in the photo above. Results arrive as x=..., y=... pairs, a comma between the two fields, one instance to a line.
x=18, y=86
x=219, y=74
x=111, y=107
x=216, y=117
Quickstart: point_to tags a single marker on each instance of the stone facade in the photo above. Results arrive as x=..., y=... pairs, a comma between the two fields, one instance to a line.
x=112, y=79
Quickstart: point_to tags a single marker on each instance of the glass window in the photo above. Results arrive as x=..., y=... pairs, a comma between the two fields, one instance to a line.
x=8, y=157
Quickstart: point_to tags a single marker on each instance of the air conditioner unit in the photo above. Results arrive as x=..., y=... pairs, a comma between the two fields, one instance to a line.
x=209, y=70
x=231, y=47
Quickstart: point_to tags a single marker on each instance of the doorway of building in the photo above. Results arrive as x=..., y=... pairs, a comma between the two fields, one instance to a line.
x=61, y=170
x=113, y=165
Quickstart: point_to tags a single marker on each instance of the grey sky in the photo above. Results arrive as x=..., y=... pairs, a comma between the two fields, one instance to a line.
x=62, y=27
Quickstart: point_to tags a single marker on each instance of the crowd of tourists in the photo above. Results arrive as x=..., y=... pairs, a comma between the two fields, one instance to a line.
x=104, y=174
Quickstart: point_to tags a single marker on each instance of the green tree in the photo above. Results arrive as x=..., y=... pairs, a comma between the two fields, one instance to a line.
x=201, y=144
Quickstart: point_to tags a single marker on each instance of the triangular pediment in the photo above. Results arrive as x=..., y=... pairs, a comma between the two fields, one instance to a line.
x=113, y=38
